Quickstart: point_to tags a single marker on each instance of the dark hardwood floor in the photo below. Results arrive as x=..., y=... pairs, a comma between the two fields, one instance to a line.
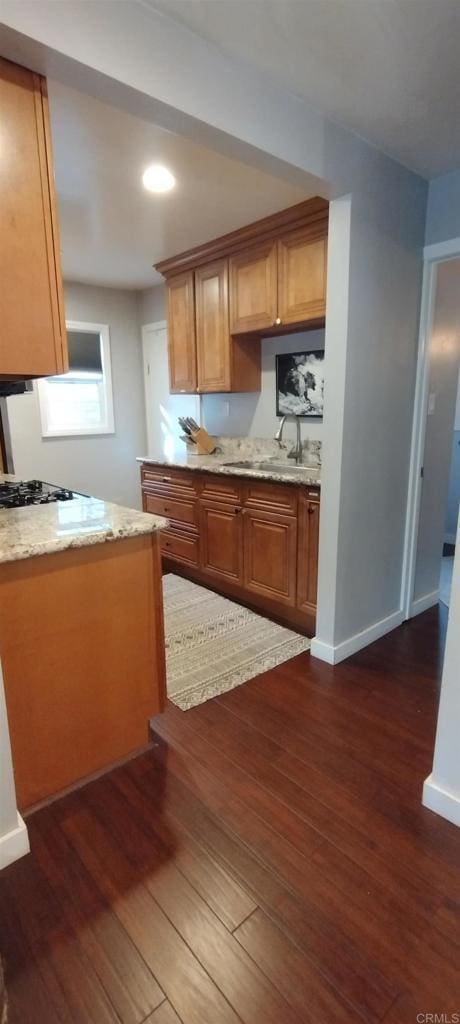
x=268, y=861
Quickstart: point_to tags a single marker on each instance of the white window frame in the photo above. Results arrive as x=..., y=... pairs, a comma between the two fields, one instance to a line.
x=108, y=427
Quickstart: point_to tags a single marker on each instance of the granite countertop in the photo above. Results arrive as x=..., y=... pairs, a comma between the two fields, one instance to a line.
x=222, y=462
x=45, y=529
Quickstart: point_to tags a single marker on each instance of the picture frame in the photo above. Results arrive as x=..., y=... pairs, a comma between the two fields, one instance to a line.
x=300, y=384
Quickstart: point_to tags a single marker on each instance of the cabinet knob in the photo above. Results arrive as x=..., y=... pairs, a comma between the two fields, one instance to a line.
x=278, y=320
x=311, y=510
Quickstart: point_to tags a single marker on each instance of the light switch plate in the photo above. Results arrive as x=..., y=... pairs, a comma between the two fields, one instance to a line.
x=432, y=403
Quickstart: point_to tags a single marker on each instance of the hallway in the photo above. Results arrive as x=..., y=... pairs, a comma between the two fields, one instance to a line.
x=267, y=861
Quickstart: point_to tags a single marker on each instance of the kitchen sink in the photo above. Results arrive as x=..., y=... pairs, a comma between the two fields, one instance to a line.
x=276, y=467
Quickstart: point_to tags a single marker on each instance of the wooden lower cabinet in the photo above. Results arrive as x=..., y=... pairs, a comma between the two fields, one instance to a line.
x=254, y=540
x=222, y=540
x=270, y=555
x=180, y=546
x=176, y=509
x=82, y=642
x=307, y=555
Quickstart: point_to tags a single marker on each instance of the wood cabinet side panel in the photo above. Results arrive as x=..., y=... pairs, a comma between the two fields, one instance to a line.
x=54, y=243
x=82, y=648
x=307, y=554
x=33, y=339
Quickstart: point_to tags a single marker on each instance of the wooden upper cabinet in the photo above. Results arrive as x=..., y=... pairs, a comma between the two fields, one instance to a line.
x=212, y=331
x=248, y=283
x=253, y=289
x=33, y=340
x=307, y=558
x=181, y=334
x=302, y=259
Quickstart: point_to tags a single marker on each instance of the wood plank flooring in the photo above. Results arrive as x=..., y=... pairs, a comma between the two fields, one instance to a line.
x=267, y=861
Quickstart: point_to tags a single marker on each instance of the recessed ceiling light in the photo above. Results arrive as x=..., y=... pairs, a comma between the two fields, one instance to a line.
x=157, y=178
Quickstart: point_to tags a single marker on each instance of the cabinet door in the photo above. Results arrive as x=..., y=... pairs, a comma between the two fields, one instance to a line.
x=270, y=551
x=33, y=340
x=181, y=334
x=253, y=289
x=212, y=334
x=221, y=540
x=307, y=562
x=302, y=276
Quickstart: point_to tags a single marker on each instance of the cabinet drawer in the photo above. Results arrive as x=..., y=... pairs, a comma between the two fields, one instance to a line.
x=221, y=489
x=180, y=547
x=161, y=477
x=173, y=508
x=279, y=498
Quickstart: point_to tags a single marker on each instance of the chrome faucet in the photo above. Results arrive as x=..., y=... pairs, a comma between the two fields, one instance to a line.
x=297, y=451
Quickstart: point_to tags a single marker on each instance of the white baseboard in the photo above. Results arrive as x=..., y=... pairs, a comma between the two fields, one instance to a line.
x=441, y=801
x=423, y=603
x=450, y=538
x=14, y=844
x=331, y=654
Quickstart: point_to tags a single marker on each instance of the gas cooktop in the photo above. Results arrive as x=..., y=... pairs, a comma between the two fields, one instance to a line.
x=31, y=492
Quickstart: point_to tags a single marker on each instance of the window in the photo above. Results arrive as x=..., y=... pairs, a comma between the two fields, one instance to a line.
x=80, y=402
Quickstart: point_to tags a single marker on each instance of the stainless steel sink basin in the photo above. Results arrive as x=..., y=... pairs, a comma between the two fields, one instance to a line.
x=275, y=467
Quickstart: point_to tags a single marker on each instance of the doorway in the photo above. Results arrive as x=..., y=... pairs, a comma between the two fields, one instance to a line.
x=161, y=408
x=435, y=490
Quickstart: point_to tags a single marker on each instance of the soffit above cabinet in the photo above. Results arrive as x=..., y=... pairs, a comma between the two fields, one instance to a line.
x=310, y=212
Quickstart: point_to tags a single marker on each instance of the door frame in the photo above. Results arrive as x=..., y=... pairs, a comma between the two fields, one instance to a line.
x=162, y=325
x=440, y=252
x=157, y=325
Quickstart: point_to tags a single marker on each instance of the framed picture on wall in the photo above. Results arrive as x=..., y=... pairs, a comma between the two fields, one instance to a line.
x=300, y=383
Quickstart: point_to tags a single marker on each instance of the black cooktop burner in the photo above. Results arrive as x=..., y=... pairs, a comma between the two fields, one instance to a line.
x=31, y=492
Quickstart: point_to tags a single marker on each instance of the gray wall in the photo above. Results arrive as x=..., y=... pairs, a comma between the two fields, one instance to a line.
x=443, y=212
x=254, y=414
x=371, y=336
x=152, y=304
x=444, y=362
x=104, y=466
x=453, y=496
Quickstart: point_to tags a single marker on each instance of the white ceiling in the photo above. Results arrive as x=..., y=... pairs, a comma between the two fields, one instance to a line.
x=389, y=70
x=112, y=230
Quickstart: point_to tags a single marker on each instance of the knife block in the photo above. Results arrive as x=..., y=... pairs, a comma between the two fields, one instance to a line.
x=203, y=442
